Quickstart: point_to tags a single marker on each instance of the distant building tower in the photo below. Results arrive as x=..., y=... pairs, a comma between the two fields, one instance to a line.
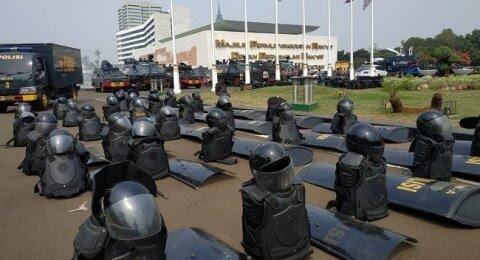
x=219, y=13
x=134, y=13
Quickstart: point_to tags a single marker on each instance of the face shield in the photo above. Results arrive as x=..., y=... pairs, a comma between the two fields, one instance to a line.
x=122, y=124
x=60, y=144
x=133, y=218
x=440, y=126
x=276, y=176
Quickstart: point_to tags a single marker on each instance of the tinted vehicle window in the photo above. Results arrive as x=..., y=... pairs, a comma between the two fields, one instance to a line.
x=14, y=63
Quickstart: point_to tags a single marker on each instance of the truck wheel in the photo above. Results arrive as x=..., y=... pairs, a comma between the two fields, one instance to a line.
x=3, y=108
x=42, y=104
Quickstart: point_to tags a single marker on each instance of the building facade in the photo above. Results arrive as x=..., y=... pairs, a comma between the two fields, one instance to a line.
x=132, y=14
x=194, y=47
x=147, y=34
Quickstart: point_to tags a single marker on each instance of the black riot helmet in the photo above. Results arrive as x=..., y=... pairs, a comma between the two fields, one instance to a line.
x=119, y=122
x=22, y=107
x=170, y=93
x=345, y=106
x=216, y=118
x=72, y=105
x=62, y=100
x=167, y=111
x=45, y=123
x=186, y=100
x=120, y=94
x=140, y=102
x=60, y=141
x=272, y=167
x=143, y=128
x=364, y=139
x=435, y=125
x=87, y=110
x=112, y=101
x=196, y=95
x=224, y=103
x=154, y=97
x=132, y=95
x=285, y=110
x=27, y=117
x=130, y=211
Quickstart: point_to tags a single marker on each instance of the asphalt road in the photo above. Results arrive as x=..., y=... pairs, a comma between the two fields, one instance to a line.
x=33, y=227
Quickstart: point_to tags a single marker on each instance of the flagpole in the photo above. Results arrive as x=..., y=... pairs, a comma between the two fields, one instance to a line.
x=277, y=61
x=372, y=65
x=176, y=75
x=329, y=65
x=305, y=66
x=214, y=65
x=247, y=64
x=352, y=70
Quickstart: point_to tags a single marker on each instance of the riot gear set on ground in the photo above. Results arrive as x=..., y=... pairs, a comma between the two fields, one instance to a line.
x=344, y=118
x=139, y=109
x=433, y=147
x=170, y=99
x=284, y=125
x=22, y=126
x=131, y=96
x=217, y=140
x=167, y=124
x=360, y=176
x=147, y=150
x=273, y=103
x=60, y=108
x=126, y=222
x=122, y=99
x=154, y=103
x=225, y=105
x=22, y=107
x=111, y=107
x=65, y=171
x=71, y=116
x=186, y=114
x=274, y=221
x=115, y=143
x=90, y=127
x=197, y=102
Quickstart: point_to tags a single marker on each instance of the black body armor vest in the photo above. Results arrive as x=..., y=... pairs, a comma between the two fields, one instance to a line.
x=123, y=104
x=275, y=225
x=35, y=152
x=115, y=146
x=216, y=145
x=70, y=119
x=21, y=130
x=171, y=102
x=186, y=114
x=149, y=155
x=60, y=110
x=168, y=128
x=138, y=112
x=361, y=187
x=93, y=242
x=475, y=148
x=285, y=131
x=198, y=105
x=230, y=118
x=432, y=159
x=154, y=108
x=109, y=110
x=90, y=129
x=341, y=123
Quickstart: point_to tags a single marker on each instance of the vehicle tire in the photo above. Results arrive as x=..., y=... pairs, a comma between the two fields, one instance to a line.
x=42, y=104
x=3, y=108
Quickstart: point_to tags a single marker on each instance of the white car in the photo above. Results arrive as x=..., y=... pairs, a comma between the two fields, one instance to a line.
x=365, y=71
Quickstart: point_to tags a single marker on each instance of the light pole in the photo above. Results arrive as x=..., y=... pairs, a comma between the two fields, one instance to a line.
x=352, y=70
x=214, y=65
x=176, y=75
x=277, y=61
x=329, y=53
x=247, y=64
x=372, y=64
x=305, y=66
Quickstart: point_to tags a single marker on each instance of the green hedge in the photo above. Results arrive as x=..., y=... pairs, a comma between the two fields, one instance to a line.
x=437, y=83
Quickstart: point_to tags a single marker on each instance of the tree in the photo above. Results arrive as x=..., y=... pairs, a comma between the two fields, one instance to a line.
x=447, y=38
x=97, y=54
x=87, y=63
x=445, y=58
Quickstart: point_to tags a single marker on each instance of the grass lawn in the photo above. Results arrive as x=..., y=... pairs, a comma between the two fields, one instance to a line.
x=367, y=102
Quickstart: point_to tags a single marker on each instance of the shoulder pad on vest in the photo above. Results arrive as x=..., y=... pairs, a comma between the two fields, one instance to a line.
x=91, y=238
x=33, y=135
x=255, y=192
x=353, y=159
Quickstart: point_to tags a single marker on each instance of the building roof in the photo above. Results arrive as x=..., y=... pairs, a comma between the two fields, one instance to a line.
x=253, y=27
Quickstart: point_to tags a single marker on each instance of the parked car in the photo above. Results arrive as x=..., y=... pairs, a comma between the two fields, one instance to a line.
x=109, y=78
x=366, y=71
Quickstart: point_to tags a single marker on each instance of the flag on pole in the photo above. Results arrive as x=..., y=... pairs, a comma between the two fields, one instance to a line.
x=366, y=3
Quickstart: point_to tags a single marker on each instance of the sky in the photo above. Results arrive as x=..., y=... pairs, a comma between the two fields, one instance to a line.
x=92, y=24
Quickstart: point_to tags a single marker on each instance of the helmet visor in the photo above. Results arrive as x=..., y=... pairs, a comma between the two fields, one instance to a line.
x=133, y=218
x=441, y=127
x=122, y=124
x=60, y=144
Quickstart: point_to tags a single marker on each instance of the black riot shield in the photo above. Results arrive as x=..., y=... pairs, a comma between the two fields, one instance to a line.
x=242, y=146
x=249, y=114
x=461, y=147
x=347, y=238
x=325, y=141
x=462, y=166
x=388, y=133
x=194, y=243
x=259, y=127
x=469, y=122
x=191, y=173
x=308, y=122
x=457, y=202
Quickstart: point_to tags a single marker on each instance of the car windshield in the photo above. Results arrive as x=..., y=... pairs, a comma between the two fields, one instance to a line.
x=14, y=63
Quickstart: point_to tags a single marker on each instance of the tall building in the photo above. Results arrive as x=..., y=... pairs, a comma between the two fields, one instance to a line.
x=150, y=32
x=132, y=13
